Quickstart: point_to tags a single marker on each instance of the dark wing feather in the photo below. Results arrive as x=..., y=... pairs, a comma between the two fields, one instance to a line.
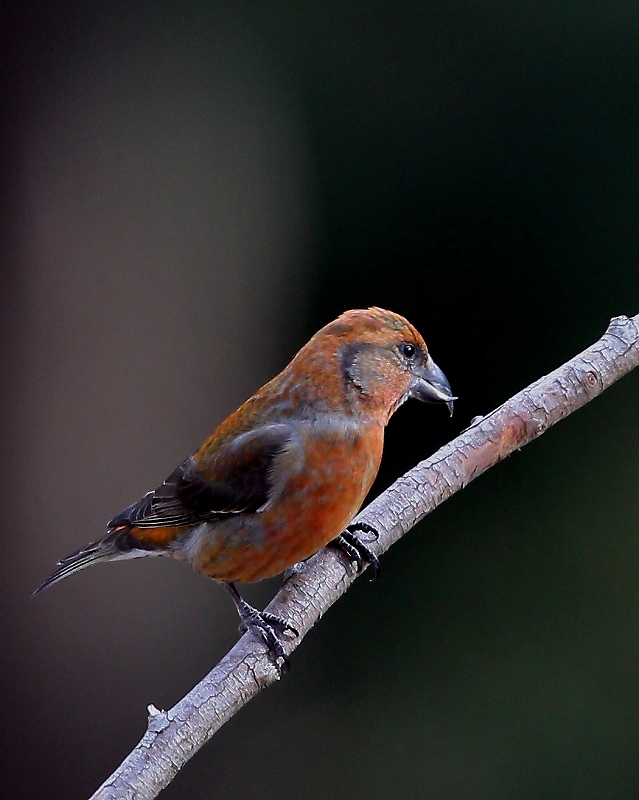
x=236, y=477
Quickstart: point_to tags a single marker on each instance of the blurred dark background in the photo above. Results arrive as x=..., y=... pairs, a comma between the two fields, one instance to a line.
x=191, y=190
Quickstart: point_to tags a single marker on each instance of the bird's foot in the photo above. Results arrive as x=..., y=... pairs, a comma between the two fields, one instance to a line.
x=355, y=550
x=269, y=627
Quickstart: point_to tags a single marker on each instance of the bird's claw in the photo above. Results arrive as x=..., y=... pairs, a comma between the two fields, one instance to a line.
x=355, y=550
x=274, y=621
x=270, y=628
x=364, y=527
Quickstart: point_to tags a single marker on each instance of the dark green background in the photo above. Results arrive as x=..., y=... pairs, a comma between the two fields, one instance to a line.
x=474, y=166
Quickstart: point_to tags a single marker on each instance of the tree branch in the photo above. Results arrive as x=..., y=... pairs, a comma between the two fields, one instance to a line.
x=174, y=736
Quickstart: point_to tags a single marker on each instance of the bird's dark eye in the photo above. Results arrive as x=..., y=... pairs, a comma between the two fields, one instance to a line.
x=408, y=350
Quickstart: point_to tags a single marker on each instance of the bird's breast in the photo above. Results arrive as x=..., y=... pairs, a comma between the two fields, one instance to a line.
x=319, y=499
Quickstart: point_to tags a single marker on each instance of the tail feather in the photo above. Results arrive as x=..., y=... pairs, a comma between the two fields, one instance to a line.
x=119, y=544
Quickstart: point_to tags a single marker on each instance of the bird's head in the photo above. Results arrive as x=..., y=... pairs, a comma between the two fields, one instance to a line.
x=384, y=360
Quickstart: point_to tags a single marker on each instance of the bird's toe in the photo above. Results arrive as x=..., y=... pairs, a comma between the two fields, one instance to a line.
x=356, y=550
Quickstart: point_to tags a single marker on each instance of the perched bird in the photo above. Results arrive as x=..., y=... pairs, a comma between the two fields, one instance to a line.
x=283, y=475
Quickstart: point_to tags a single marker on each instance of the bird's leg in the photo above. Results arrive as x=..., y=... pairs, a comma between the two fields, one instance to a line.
x=269, y=626
x=354, y=548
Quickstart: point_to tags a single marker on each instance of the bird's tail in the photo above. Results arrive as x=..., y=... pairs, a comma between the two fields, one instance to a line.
x=117, y=545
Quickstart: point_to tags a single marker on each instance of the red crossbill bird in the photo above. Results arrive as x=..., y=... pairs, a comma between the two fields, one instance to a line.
x=285, y=474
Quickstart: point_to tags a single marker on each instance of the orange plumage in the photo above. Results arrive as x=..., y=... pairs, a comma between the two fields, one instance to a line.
x=283, y=475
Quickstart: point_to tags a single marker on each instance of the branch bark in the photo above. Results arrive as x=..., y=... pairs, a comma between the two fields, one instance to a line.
x=173, y=736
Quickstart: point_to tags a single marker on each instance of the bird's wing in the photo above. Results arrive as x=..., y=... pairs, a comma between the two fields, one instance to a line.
x=238, y=476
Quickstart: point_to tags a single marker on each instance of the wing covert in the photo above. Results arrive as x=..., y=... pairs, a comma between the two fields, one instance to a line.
x=237, y=477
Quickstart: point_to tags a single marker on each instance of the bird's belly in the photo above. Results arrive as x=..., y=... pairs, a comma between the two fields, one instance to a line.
x=314, y=507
